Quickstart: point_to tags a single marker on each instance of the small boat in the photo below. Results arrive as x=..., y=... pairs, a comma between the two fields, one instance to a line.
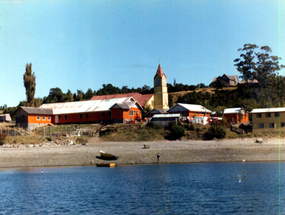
x=104, y=154
x=105, y=164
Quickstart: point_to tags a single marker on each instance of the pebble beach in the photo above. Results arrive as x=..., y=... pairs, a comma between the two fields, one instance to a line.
x=134, y=153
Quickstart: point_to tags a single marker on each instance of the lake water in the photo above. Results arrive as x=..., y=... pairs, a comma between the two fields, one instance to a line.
x=212, y=188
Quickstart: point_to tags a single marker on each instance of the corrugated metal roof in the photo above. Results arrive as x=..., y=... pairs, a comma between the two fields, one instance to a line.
x=166, y=115
x=85, y=106
x=268, y=110
x=191, y=107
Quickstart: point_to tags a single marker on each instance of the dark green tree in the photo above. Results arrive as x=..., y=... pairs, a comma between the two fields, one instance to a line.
x=30, y=85
x=246, y=63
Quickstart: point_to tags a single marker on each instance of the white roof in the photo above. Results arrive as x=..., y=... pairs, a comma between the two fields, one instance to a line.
x=166, y=115
x=268, y=110
x=232, y=110
x=190, y=107
x=85, y=106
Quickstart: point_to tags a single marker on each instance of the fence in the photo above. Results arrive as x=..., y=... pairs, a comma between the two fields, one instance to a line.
x=54, y=131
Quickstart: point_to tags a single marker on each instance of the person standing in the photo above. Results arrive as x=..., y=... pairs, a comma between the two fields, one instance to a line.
x=158, y=156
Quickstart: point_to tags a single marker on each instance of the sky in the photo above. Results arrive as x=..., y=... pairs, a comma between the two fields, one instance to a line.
x=79, y=44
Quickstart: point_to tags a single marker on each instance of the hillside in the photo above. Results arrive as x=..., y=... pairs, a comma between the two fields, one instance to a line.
x=210, y=90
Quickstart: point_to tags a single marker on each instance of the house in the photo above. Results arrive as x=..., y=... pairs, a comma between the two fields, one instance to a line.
x=234, y=115
x=5, y=117
x=165, y=119
x=191, y=111
x=225, y=81
x=32, y=117
x=116, y=110
x=268, y=118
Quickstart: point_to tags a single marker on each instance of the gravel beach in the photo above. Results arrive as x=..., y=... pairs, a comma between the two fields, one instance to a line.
x=132, y=153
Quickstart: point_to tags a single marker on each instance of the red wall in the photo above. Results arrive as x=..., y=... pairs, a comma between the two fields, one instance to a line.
x=115, y=114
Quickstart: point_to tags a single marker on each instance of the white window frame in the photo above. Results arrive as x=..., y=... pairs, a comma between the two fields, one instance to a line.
x=43, y=118
x=48, y=118
x=131, y=113
x=38, y=118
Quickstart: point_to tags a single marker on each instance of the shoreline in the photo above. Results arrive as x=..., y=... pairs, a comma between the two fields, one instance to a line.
x=132, y=153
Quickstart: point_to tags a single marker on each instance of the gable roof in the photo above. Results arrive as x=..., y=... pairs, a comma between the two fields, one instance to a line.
x=232, y=110
x=35, y=110
x=191, y=107
x=87, y=106
x=159, y=72
x=142, y=99
x=158, y=110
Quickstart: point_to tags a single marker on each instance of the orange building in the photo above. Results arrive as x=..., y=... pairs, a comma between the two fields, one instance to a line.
x=32, y=117
x=235, y=115
x=118, y=110
x=190, y=110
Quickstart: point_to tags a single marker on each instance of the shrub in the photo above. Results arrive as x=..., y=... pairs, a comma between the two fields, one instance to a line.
x=189, y=127
x=153, y=125
x=2, y=138
x=215, y=131
x=176, y=131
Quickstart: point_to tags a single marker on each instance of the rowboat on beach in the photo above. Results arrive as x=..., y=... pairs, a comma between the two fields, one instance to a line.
x=107, y=155
x=105, y=164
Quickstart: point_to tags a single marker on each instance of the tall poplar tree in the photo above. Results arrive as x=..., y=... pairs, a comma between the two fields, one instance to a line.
x=30, y=85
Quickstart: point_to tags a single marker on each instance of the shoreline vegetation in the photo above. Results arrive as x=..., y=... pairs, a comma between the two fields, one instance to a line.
x=127, y=142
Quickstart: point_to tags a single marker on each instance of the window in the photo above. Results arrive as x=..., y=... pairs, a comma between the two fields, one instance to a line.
x=86, y=116
x=65, y=116
x=48, y=118
x=131, y=113
x=157, y=82
x=59, y=116
x=260, y=125
x=282, y=124
x=258, y=115
x=271, y=125
x=110, y=114
x=267, y=114
x=121, y=111
x=80, y=116
x=277, y=114
x=43, y=118
x=38, y=117
x=103, y=115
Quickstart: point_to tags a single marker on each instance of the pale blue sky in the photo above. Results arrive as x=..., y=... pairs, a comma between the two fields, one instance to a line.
x=84, y=44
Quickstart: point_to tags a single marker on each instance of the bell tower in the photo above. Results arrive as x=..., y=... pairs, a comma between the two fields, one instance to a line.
x=160, y=90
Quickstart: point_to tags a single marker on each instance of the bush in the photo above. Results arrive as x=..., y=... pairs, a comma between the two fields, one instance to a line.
x=189, y=127
x=153, y=125
x=2, y=138
x=81, y=140
x=176, y=131
x=215, y=131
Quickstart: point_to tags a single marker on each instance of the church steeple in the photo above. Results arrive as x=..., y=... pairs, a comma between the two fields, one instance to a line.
x=160, y=90
x=159, y=72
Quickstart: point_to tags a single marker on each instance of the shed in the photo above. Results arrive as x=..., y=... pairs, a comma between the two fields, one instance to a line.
x=5, y=117
x=165, y=119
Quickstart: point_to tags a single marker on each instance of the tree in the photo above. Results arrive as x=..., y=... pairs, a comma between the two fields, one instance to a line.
x=246, y=64
x=30, y=85
x=266, y=67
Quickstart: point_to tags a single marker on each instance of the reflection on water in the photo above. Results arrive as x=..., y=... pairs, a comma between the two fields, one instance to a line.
x=215, y=188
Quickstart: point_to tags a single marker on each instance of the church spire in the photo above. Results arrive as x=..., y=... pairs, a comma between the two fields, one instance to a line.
x=159, y=71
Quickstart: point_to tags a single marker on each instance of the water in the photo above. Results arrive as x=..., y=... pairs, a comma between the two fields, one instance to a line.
x=215, y=188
